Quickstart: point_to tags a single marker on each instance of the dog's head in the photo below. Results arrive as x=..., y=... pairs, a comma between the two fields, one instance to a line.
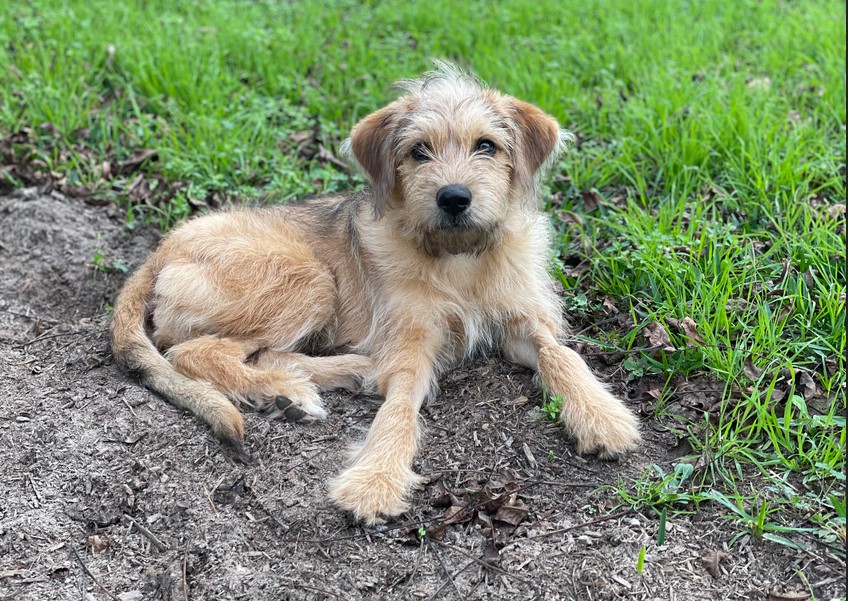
x=451, y=158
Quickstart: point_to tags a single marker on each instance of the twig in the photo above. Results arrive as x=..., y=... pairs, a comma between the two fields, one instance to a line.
x=455, y=574
x=209, y=499
x=185, y=570
x=58, y=335
x=129, y=407
x=606, y=518
x=483, y=563
x=162, y=547
x=34, y=489
x=447, y=573
x=32, y=317
x=90, y=575
x=422, y=550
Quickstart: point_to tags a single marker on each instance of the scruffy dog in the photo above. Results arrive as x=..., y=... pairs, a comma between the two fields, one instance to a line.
x=444, y=255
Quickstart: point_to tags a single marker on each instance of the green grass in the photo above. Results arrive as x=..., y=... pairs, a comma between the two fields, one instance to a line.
x=713, y=133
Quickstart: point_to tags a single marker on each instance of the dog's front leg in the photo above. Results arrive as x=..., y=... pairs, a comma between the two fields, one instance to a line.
x=380, y=477
x=598, y=420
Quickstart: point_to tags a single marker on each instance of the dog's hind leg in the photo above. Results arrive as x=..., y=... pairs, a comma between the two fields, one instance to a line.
x=221, y=362
x=351, y=372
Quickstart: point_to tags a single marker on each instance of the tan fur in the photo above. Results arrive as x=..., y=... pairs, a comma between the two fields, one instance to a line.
x=254, y=306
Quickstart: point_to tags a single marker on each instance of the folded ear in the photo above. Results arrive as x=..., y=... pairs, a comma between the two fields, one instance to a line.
x=539, y=140
x=372, y=143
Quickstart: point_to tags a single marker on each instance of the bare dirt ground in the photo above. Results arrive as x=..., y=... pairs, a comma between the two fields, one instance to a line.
x=108, y=492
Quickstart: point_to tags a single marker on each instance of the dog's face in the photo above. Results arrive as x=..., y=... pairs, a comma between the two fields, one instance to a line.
x=449, y=160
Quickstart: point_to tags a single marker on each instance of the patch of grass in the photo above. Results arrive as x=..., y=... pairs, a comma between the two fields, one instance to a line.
x=707, y=181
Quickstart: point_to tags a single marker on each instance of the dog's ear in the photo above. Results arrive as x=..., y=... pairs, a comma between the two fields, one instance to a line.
x=372, y=143
x=538, y=141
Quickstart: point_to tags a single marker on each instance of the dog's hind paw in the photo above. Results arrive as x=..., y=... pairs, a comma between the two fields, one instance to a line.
x=294, y=411
x=295, y=399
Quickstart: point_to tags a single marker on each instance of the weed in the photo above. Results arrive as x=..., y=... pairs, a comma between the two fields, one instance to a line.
x=551, y=407
x=100, y=265
x=640, y=560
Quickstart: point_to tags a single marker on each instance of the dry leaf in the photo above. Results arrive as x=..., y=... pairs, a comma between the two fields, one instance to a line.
x=591, y=200
x=657, y=336
x=711, y=558
x=805, y=384
x=301, y=136
x=690, y=329
x=752, y=371
x=97, y=544
x=512, y=514
x=609, y=306
x=529, y=455
x=760, y=83
x=137, y=158
x=491, y=553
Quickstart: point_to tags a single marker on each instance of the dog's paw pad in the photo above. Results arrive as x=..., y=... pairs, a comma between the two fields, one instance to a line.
x=306, y=410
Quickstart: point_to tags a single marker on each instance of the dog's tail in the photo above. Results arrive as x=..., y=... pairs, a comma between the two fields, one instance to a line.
x=134, y=351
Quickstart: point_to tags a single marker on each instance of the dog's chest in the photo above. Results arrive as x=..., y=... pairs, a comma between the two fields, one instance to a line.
x=478, y=299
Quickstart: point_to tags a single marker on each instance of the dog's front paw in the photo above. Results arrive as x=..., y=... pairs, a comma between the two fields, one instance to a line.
x=605, y=427
x=370, y=493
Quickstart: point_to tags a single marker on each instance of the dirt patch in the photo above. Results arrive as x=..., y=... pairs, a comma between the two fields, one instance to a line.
x=107, y=491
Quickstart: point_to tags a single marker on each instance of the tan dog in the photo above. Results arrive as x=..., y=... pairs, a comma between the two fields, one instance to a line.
x=444, y=255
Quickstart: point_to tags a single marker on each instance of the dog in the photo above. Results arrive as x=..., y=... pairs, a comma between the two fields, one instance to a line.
x=446, y=254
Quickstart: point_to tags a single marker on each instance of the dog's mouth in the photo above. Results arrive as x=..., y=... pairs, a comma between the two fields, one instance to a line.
x=458, y=223
x=456, y=236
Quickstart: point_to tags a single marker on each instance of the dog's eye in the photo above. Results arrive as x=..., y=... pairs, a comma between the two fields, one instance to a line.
x=487, y=147
x=420, y=153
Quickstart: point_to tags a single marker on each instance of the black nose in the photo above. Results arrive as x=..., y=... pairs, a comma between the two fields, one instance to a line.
x=453, y=199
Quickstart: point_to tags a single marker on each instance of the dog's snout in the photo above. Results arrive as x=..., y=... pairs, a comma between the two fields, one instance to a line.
x=453, y=199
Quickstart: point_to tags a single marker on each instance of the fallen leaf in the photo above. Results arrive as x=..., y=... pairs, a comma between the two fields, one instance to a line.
x=793, y=116
x=329, y=157
x=97, y=544
x=690, y=329
x=711, y=558
x=805, y=384
x=609, y=306
x=752, y=371
x=529, y=455
x=301, y=136
x=512, y=514
x=760, y=83
x=652, y=394
x=491, y=553
x=137, y=158
x=592, y=199
x=657, y=336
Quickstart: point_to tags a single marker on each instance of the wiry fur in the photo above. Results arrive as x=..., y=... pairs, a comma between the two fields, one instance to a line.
x=268, y=307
